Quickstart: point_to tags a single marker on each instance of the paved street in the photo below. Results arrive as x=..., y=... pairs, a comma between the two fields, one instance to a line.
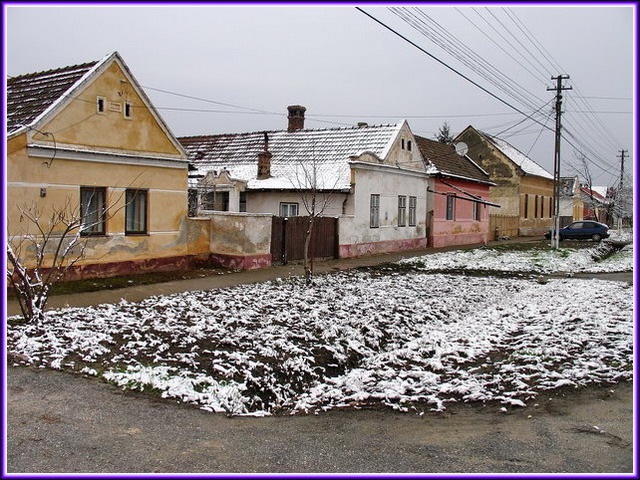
x=58, y=422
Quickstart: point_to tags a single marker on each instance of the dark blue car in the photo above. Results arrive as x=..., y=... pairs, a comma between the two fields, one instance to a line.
x=582, y=230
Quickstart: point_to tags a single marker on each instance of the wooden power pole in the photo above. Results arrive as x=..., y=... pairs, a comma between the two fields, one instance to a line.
x=620, y=193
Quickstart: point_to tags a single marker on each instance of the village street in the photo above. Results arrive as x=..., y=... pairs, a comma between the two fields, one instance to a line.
x=59, y=422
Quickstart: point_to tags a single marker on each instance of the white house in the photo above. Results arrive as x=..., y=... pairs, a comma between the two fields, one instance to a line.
x=372, y=177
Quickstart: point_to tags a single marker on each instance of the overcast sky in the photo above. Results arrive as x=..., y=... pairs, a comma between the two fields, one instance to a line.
x=345, y=68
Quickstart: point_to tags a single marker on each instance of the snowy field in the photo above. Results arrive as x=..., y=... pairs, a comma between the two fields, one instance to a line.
x=533, y=260
x=411, y=342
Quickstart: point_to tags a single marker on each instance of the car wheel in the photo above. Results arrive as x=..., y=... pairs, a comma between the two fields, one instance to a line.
x=596, y=237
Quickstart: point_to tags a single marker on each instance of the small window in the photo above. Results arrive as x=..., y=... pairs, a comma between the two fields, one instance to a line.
x=288, y=209
x=409, y=145
x=243, y=201
x=128, y=110
x=413, y=202
x=135, y=212
x=374, y=211
x=101, y=105
x=93, y=209
x=526, y=205
x=403, y=144
x=477, y=212
x=218, y=201
x=451, y=207
x=402, y=211
x=535, y=207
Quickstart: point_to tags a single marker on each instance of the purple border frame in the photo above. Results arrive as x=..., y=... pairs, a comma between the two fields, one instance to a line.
x=3, y=177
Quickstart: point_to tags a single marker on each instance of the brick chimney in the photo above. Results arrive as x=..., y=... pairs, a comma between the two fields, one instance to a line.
x=296, y=117
x=264, y=160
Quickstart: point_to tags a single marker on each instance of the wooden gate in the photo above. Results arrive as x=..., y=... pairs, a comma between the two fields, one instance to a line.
x=503, y=226
x=288, y=235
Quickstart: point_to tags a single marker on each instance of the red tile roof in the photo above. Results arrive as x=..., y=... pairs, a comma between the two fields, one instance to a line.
x=445, y=159
x=30, y=95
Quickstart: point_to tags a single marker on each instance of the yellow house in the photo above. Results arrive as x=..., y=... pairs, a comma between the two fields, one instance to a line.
x=85, y=142
x=523, y=189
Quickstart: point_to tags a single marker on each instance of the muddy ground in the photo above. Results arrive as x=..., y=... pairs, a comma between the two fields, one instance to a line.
x=64, y=423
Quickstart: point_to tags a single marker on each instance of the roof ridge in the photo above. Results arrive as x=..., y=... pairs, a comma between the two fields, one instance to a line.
x=354, y=127
x=53, y=70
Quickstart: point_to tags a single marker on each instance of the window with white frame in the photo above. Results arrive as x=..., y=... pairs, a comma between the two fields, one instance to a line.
x=413, y=202
x=451, y=207
x=135, y=212
x=288, y=209
x=402, y=210
x=374, y=211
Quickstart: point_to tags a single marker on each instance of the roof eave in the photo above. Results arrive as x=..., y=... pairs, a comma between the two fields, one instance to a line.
x=461, y=177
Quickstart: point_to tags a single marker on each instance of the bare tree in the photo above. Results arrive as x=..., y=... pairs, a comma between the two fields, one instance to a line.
x=585, y=172
x=315, y=195
x=54, y=243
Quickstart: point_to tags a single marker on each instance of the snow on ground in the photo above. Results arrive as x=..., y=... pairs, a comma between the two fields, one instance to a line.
x=533, y=260
x=350, y=339
x=621, y=235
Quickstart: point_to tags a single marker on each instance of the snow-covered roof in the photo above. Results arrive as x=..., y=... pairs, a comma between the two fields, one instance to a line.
x=295, y=155
x=30, y=95
x=600, y=190
x=516, y=156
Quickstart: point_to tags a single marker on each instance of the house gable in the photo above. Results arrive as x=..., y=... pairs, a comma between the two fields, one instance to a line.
x=499, y=167
x=403, y=149
x=75, y=120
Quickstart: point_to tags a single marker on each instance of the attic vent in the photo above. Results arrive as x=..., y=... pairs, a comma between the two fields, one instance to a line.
x=101, y=105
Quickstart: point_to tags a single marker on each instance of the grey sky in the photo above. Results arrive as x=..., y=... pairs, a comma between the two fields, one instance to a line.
x=337, y=62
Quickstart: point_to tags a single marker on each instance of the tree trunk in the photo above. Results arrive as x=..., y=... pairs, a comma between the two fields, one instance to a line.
x=308, y=264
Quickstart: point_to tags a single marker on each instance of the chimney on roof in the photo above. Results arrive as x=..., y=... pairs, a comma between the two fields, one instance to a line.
x=363, y=124
x=296, y=117
x=264, y=160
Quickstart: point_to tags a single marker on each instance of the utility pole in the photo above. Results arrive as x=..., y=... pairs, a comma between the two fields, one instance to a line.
x=555, y=237
x=620, y=193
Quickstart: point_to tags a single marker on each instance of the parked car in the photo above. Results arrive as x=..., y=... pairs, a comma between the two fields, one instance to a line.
x=582, y=230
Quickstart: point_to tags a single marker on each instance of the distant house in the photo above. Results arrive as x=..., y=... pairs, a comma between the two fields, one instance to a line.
x=86, y=139
x=523, y=189
x=571, y=201
x=372, y=177
x=458, y=211
x=595, y=204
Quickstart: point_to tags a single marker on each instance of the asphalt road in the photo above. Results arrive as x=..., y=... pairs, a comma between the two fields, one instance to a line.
x=58, y=422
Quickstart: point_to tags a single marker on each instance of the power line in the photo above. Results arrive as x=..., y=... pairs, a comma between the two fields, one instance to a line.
x=448, y=66
x=600, y=129
x=534, y=75
x=605, y=98
x=465, y=55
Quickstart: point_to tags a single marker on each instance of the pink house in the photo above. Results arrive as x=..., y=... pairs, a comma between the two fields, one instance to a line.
x=458, y=210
